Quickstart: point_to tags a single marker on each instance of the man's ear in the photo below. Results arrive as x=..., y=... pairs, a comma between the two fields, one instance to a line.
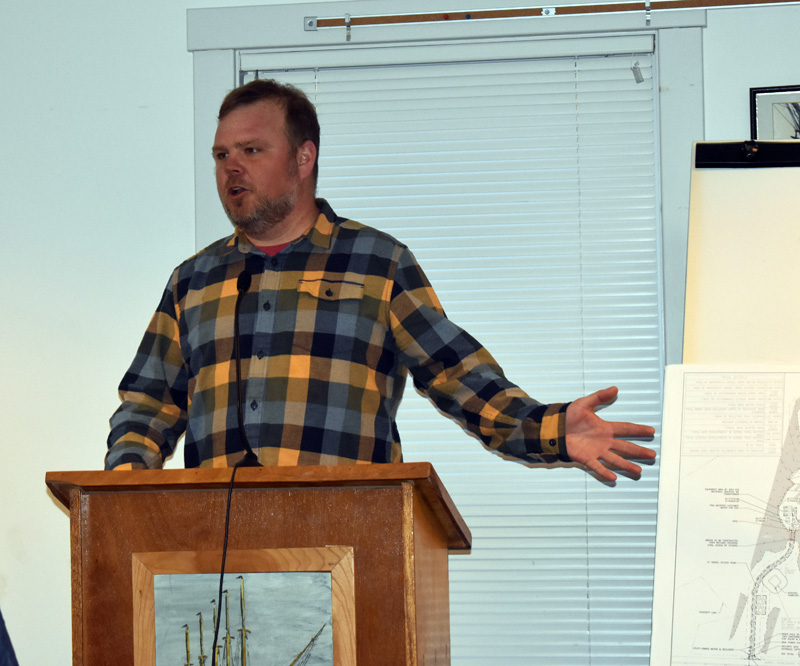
x=306, y=158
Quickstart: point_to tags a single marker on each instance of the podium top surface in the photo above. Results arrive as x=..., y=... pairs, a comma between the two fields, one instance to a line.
x=422, y=475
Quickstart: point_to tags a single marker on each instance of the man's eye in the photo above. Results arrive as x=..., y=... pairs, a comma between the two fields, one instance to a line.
x=251, y=149
x=220, y=156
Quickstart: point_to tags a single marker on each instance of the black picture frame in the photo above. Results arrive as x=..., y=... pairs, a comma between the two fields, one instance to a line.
x=775, y=113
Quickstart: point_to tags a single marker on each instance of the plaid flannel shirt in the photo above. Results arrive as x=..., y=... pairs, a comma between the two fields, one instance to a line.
x=329, y=330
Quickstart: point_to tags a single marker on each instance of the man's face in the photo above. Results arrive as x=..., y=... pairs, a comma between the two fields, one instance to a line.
x=256, y=167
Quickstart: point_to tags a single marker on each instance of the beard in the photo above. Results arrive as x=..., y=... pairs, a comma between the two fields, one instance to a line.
x=267, y=214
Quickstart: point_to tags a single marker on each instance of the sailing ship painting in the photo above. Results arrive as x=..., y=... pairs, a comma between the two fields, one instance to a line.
x=265, y=619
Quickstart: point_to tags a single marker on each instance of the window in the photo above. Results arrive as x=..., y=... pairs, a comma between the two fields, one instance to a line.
x=523, y=173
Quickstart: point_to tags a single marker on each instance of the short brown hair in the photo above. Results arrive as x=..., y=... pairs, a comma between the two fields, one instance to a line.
x=301, y=116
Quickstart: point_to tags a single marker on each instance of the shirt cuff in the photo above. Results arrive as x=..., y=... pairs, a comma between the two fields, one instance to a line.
x=546, y=440
x=131, y=455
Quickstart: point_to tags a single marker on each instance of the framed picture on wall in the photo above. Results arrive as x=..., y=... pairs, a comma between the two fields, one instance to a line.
x=775, y=113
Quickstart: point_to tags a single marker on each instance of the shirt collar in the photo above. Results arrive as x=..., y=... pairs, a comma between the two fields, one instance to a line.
x=321, y=232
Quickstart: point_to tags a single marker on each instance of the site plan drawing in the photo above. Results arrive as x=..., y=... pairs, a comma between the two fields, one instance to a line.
x=727, y=559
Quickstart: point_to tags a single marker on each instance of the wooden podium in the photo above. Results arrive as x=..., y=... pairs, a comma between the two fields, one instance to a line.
x=386, y=530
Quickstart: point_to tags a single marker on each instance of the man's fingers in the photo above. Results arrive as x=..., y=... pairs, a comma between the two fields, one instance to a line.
x=632, y=450
x=600, y=470
x=601, y=466
x=612, y=458
x=602, y=397
x=624, y=429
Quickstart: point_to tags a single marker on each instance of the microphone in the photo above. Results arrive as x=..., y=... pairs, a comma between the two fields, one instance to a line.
x=250, y=458
x=243, y=283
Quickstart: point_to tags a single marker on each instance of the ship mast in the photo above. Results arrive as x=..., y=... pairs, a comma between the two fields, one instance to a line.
x=188, y=654
x=305, y=653
x=227, y=632
x=244, y=630
x=215, y=656
x=202, y=656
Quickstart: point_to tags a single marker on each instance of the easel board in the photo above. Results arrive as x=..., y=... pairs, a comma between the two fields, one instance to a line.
x=743, y=264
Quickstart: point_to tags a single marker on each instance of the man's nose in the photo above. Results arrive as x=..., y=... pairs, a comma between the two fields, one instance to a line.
x=232, y=165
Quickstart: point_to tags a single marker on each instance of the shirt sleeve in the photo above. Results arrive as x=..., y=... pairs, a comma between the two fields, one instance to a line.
x=464, y=381
x=153, y=414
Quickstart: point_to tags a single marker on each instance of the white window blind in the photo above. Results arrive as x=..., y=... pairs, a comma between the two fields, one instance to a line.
x=526, y=187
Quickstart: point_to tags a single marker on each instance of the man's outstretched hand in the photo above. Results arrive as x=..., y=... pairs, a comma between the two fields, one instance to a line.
x=596, y=443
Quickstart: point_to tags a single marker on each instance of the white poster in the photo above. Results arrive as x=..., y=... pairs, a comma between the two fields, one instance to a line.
x=727, y=561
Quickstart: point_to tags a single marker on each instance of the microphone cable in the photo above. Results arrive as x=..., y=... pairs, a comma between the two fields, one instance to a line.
x=250, y=459
x=224, y=557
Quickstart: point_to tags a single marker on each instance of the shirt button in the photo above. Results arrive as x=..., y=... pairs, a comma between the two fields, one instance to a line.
x=553, y=442
x=261, y=354
x=254, y=405
x=267, y=306
x=328, y=293
x=274, y=261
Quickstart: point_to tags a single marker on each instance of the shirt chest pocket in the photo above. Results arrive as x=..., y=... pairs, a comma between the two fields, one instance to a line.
x=330, y=319
x=329, y=290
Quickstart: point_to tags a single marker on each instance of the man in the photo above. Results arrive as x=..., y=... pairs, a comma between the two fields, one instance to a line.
x=7, y=655
x=333, y=317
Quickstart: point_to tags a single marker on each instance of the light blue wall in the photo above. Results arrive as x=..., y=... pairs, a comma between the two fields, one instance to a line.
x=97, y=191
x=746, y=48
x=96, y=185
